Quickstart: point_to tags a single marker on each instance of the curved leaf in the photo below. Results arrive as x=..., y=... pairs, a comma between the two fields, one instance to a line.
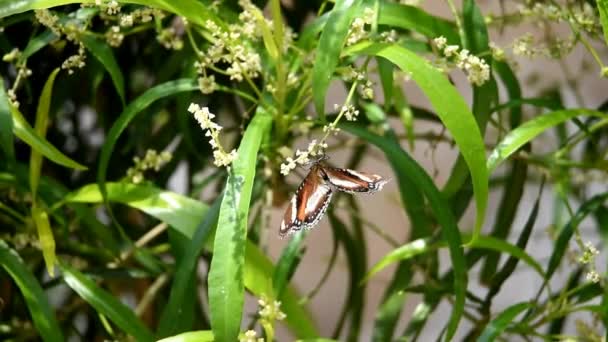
x=37, y=43
x=403, y=164
x=186, y=273
x=407, y=251
x=35, y=298
x=416, y=19
x=195, y=11
x=103, y=53
x=180, y=212
x=135, y=107
x=331, y=43
x=6, y=126
x=225, y=281
x=488, y=242
x=529, y=130
x=106, y=304
x=25, y=132
x=191, y=336
x=561, y=245
x=451, y=109
x=602, y=6
x=183, y=215
x=500, y=323
x=40, y=127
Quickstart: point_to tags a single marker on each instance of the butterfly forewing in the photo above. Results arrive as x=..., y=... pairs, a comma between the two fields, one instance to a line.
x=308, y=204
x=354, y=181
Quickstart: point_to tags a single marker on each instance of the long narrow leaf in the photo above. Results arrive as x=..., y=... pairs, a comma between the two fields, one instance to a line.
x=183, y=215
x=103, y=53
x=529, y=130
x=106, y=304
x=36, y=300
x=6, y=126
x=226, y=289
x=452, y=110
x=129, y=113
x=331, y=43
x=171, y=322
x=402, y=163
x=25, y=132
x=500, y=323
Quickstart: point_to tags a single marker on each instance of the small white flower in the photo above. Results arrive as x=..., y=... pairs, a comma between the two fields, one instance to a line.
x=440, y=42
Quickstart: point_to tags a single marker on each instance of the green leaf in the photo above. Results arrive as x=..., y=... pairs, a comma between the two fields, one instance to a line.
x=180, y=212
x=488, y=242
x=355, y=299
x=45, y=235
x=529, y=130
x=25, y=132
x=385, y=71
x=6, y=126
x=43, y=316
x=106, y=304
x=40, y=127
x=258, y=271
x=402, y=163
x=104, y=54
x=328, y=52
x=561, y=245
x=135, y=107
x=185, y=274
x=502, y=321
x=451, y=109
x=225, y=281
x=287, y=262
x=183, y=214
x=602, y=7
x=191, y=336
x=37, y=43
x=196, y=12
x=407, y=251
x=418, y=20
x=41, y=219
x=497, y=279
x=393, y=303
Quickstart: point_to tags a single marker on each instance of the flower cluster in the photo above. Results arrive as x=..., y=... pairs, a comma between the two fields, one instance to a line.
x=365, y=86
x=227, y=47
x=48, y=19
x=114, y=37
x=349, y=111
x=170, y=39
x=585, y=17
x=314, y=149
x=588, y=258
x=75, y=61
x=270, y=310
x=357, y=31
x=250, y=336
x=152, y=160
x=205, y=119
x=111, y=7
x=476, y=69
x=141, y=15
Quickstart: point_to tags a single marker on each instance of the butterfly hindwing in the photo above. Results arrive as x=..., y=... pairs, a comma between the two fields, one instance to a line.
x=354, y=181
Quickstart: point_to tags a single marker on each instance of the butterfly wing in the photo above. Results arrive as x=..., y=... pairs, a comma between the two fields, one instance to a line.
x=308, y=204
x=352, y=181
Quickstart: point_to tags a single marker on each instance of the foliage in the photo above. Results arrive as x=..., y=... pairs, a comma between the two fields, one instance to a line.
x=106, y=103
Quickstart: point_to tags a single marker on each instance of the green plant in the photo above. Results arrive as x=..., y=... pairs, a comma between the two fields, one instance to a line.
x=109, y=83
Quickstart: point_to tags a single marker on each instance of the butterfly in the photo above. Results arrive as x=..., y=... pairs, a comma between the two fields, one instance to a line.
x=312, y=198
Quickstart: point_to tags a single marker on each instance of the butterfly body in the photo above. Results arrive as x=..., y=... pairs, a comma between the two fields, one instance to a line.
x=309, y=203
